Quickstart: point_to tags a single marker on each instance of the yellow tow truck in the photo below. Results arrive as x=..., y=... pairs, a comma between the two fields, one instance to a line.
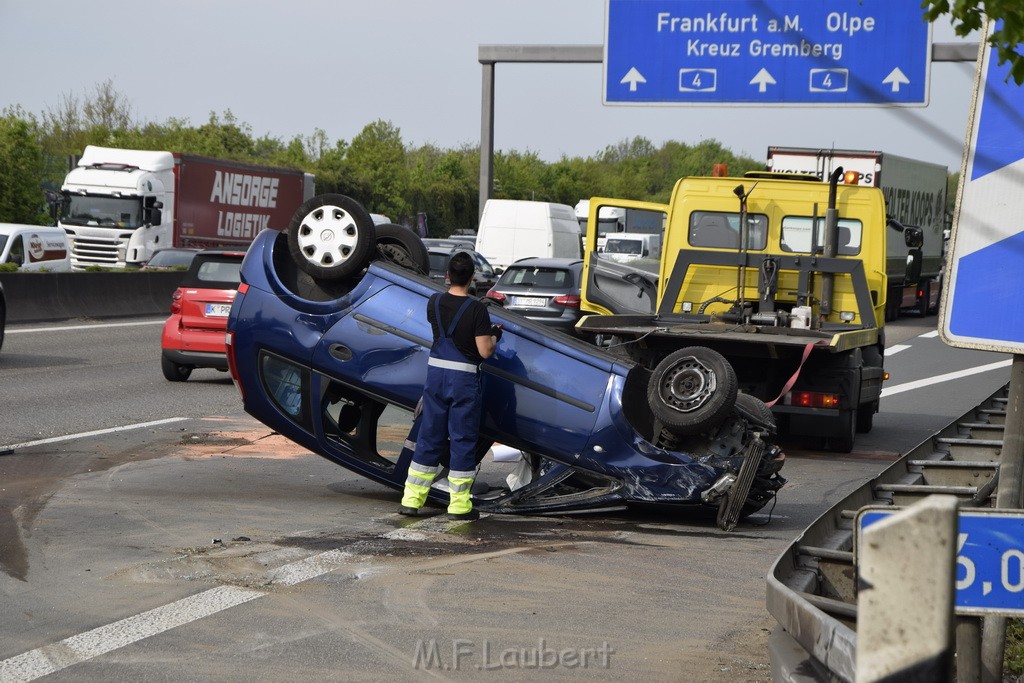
x=781, y=275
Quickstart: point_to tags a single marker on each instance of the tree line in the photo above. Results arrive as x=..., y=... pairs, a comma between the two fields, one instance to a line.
x=376, y=167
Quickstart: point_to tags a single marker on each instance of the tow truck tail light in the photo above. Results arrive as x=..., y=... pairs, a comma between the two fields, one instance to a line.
x=812, y=399
x=176, y=302
x=570, y=300
x=229, y=339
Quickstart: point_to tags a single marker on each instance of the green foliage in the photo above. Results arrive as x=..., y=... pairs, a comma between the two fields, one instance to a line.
x=8, y=267
x=967, y=16
x=21, y=170
x=376, y=166
x=1013, y=652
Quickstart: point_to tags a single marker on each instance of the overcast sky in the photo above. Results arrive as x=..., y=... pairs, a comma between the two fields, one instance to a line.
x=289, y=67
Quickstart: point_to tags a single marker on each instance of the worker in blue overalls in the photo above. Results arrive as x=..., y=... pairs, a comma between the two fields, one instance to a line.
x=463, y=338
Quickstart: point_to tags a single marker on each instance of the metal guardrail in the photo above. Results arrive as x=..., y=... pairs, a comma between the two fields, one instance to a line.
x=812, y=587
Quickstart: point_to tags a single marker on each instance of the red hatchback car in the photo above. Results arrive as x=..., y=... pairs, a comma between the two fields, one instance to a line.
x=193, y=336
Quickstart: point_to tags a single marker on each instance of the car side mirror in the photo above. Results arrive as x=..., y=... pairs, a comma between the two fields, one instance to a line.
x=498, y=271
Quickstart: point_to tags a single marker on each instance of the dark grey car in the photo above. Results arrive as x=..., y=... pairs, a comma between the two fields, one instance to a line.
x=546, y=290
x=484, y=276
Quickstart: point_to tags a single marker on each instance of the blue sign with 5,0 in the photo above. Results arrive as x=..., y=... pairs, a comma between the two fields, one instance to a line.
x=989, y=560
x=759, y=52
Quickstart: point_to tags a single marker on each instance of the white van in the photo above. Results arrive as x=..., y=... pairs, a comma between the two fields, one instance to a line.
x=629, y=246
x=511, y=229
x=35, y=247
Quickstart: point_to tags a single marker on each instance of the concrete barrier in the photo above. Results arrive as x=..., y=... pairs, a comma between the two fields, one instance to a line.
x=40, y=297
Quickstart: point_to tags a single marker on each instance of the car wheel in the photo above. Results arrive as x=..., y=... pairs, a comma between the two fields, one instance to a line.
x=692, y=390
x=755, y=412
x=174, y=372
x=331, y=237
x=402, y=247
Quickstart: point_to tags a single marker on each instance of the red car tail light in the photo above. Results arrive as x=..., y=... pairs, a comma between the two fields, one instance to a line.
x=569, y=300
x=176, y=301
x=496, y=295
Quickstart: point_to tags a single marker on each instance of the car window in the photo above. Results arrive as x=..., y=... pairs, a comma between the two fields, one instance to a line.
x=614, y=246
x=217, y=271
x=169, y=259
x=797, y=235
x=438, y=263
x=554, y=278
x=721, y=230
x=482, y=266
x=213, y=273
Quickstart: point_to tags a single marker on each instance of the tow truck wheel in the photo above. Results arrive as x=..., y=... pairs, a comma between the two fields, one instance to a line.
x=843, y=443
x=402, y=247
x=331, y=237
x=692, y=390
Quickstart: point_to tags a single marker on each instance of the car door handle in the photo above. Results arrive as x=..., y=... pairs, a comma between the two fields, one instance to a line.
x=340, y=351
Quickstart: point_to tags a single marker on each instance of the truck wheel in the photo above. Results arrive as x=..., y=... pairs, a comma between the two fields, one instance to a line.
x=692, y=390
x=892, y=307
x=331, y=237
x=922, y=301
x=933, y=309
x=843, y=442
x=866, y=417
x=174, y=372
x=755, y=412
x=402, y=247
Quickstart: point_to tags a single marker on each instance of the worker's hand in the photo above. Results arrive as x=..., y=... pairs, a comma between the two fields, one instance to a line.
x=496, y=331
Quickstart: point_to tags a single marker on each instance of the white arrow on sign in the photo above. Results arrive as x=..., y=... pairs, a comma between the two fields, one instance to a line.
x=633, y=77
x=762, y=80
x=896, y=78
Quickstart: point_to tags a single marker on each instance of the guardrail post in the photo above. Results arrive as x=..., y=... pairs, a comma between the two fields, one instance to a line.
x=1011, y=467
x=906, y=574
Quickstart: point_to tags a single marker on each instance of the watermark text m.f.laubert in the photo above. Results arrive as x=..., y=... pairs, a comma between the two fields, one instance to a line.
x=488, y=656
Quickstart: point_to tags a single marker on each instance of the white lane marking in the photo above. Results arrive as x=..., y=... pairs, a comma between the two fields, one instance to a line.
x=98, y=432
x=79, y=648
x=65, y=328
x=896, y=348
x=949, y=376
x=929, y=335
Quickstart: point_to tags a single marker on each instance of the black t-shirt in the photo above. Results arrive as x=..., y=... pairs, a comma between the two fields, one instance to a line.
x=474, y=323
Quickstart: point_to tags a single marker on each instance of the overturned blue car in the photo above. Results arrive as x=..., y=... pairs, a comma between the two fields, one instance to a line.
x=329, y=329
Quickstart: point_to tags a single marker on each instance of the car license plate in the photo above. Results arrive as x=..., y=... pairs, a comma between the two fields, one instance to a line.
x=218, y=310
x=529, y=301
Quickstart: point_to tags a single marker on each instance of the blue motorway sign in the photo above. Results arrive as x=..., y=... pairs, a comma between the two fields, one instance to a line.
x=989, y=559
x=767, y=52
x=986, y=248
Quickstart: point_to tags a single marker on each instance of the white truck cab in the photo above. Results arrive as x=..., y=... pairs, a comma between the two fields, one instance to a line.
x=35, y=247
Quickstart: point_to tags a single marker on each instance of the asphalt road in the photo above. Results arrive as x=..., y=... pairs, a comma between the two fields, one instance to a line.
x=200, y=546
